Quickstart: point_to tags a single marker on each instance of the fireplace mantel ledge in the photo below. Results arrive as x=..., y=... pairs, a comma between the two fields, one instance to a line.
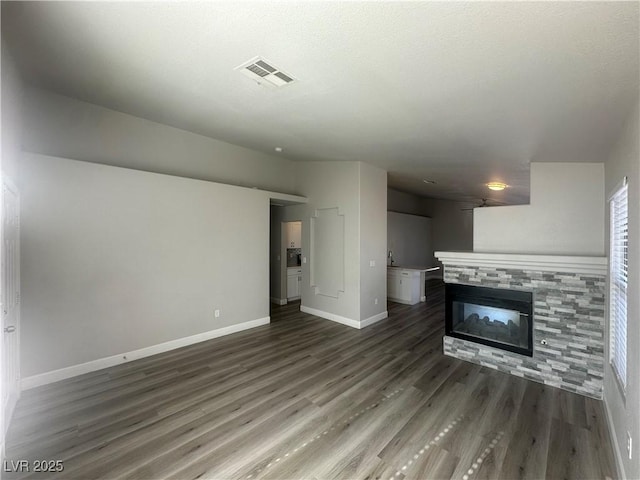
x=545, y=263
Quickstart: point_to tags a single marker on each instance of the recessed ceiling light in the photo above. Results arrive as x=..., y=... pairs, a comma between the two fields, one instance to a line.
x=278, y=149
x=497, y=186
x=429, y=182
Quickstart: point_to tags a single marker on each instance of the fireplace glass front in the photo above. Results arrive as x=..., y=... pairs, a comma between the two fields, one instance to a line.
x=495, y=317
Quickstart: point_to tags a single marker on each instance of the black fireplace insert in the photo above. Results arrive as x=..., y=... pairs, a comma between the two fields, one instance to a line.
x=495, y=317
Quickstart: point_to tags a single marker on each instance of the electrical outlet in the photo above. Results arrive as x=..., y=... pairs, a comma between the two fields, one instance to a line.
x=629, y=445
x=216, y=313
x=372, y=263
x=375, y=302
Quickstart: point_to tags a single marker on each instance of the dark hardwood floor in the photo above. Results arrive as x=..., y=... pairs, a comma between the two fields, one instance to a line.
x=307, y=398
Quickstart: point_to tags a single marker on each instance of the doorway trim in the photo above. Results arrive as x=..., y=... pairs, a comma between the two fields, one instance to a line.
x=9, y=285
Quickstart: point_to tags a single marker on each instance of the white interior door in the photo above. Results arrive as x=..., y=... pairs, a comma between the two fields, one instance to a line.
x=10, y=287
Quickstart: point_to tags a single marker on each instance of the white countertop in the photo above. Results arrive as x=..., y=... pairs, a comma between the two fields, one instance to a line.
x=418, y=269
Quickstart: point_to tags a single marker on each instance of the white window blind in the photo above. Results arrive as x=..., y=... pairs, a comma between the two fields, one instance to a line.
x=618, y=268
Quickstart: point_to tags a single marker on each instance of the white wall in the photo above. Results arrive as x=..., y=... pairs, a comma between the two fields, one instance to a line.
x=373, y=241
x=11, y=102
x=409, y=239
x=64, y=127
x=564, y=217
x=115, y=260
x=625, y=410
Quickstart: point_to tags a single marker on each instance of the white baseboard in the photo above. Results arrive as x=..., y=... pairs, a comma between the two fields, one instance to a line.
x=279, y=301
x=400, y=300
x=374, y=319
x=80, y=369
x=344, y=320
x=330, y=316
x=614, y=439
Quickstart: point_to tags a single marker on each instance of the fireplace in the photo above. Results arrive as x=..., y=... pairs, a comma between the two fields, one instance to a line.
x=568, y=315
x=495, y=317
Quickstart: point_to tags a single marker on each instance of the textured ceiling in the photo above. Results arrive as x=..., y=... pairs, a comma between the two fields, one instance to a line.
x=460, y=93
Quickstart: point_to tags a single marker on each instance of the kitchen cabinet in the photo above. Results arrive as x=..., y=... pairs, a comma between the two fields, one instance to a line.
x=393, y=284
x=294, y=235
x=403, y=285
x=294, y=283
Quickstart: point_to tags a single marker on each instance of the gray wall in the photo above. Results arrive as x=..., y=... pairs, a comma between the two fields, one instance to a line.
x=331, y=185
x=64, y=127
x=114, y=260
x=105, y=248
x=359, y=192
x=403, y=202
x=373, y=240
x=59, y=126
x=451, y=226
x=12, y=91
x=409, y=239
x=564, y=217
x=625, y=409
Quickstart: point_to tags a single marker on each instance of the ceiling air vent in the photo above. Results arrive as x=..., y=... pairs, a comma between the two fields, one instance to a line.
x=265, y=73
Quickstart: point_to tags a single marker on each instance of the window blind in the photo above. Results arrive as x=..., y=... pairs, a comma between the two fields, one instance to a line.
x=618, y=270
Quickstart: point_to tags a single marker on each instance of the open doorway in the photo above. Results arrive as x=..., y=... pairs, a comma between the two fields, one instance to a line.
x=285, y=253
x=286, y=250
x=292, y=253
x=276, y=296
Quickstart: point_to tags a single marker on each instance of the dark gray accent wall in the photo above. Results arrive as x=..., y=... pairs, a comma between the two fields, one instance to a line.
x=451, y=222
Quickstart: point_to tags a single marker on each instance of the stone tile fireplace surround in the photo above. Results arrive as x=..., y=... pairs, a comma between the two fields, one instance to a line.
x=568, y=315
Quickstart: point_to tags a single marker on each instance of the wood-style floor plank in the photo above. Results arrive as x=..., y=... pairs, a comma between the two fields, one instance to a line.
x=528, y=446
x=307, y=398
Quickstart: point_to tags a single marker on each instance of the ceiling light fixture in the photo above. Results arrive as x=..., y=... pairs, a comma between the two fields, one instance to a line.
x=497, y=186
x=278, y=149
x=429, y=182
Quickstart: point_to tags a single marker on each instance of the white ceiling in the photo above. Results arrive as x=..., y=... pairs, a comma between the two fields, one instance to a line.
x=460, y=93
